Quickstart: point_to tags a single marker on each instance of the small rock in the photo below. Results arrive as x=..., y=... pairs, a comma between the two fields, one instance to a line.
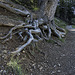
x=45, y=66
x=31, y=70
x=38, y=66
x=31, y=74
x=41, y=68
x=4, y=71
x=5, y=57
x=2, y=56
x=56, y=58
x=5, y=51
x=34, y=65
x=23, y=51
x=63, y=55
x=53, y=72
x=59, y=65
x=18, y=54
x=47, y=61
x=74, y=67
x=1, y=71
x=59, y=71
x=55, y=65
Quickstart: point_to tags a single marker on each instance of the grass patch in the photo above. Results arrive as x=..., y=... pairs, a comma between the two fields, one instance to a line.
x=62, y=40
x=60, y=23
x=73, y=26
x=15, y=66
x=35, y=8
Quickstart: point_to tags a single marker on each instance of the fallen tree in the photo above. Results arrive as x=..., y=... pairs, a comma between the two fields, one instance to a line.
x=39, y=25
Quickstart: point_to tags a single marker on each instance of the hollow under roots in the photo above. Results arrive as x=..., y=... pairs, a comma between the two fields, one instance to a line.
x=32, y=30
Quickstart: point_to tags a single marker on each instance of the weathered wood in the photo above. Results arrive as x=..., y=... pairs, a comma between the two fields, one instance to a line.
x=13, y=9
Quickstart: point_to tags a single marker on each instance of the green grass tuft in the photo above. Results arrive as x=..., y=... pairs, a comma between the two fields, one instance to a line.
x=16, y=67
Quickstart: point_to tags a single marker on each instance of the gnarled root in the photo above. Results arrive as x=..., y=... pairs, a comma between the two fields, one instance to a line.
x=59, y=32
x=33, y=33
x=13, y=9
x=34, y=30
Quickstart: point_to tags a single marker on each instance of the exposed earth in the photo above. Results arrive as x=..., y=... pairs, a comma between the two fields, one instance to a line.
x=49, y=59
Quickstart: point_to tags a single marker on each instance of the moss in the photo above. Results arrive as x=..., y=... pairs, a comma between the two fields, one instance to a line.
x=35, y=8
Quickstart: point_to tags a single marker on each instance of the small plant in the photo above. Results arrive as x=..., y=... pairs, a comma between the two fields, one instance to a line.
x=62, y=40
x=50, y=41
x=16, y=67
x=73, y=26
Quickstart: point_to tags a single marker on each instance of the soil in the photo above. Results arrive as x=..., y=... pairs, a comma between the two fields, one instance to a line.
x=47, y=59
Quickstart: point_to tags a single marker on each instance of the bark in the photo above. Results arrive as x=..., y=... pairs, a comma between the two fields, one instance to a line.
x=48, y=8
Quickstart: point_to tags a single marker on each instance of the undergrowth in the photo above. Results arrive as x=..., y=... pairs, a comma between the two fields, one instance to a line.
x=14, y=63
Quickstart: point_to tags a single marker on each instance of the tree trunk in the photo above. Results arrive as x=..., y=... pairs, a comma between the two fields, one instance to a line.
x=48, y=8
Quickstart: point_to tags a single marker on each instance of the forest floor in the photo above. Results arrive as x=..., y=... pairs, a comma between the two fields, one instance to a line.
x=46, y=59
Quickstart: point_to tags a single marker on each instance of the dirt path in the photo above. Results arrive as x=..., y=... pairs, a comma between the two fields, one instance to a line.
x=60, y=60
x=56, y=61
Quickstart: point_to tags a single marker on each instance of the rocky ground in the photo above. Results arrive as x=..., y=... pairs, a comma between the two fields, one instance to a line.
x=46, y=59
x=56, y=60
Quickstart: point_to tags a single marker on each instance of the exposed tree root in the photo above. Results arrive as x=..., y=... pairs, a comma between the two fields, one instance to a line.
x=34, y=30
x=14, y=10
x=59, y=32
